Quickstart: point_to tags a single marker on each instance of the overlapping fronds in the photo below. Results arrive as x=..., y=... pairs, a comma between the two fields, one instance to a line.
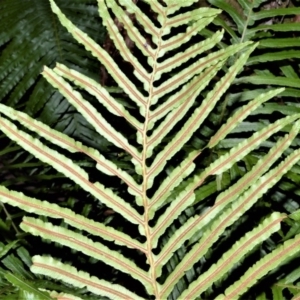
x=174, y=81
x=274, y=25
x=274, y=63
x=16, y=279
x=30, y=37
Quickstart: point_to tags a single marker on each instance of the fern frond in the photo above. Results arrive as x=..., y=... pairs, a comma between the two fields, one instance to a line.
x=186, y=96
x=68, y=143
x=186, y=74
x=263, y=22
x=69, y=168
x=187, y=197
x=99, y=92
x=289, y=283
x=87, y=246
x=103, y=56
x=247, y=145
x=132, y=31
x=240, y=115
x=187, y=230
x=262, y=267
x=30, y=40
x=62, y=296
x=58, y=270
x=26, y=287
x=244, y=202
x=182, y=100
x=45, y=208
x=234, y=255
x=163, y=174
x=196, y=119
x=182, y=57
x=90, y=113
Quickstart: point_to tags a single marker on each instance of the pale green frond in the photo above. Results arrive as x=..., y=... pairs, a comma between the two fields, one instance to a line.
x=179, y=225
x=174, y=5
x=234, y=255
x=182, y=57
x=229, y=216
x=70, y=169
x=194, y=69
x=262, y=267
x=103, y=56
x=99, y=92
x=198, y=116
x=184, y=199
x=240, y=115
x=57, y=270
x=243, y=148
x=186, y=96
x=141, y=17
x=120, y=43
x=64, y=141
x=181, y=38
x=187, y=230
x=156, y=6
x=200, y=15
x=174, y=101
x=261, y=166
x=174, y=179
x=90, y=113
x=85, y=245
x=44, y=208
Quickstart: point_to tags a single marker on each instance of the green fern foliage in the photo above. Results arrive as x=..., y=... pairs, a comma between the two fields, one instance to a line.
x=31, y=37
x=274, y=63
x=174, y=81
x=273, y=24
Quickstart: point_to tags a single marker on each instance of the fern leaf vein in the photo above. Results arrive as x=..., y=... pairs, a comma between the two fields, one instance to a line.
x=143, y=19
x=186, y=96
x=186, y=231
x=102, y=55
x=54, y=211
x=184, y=56
x=133, y=32
x=181, y=38
x=177, y=175
x=231, y=215
x=71, y=145
x=120, y=44
x=191, y=88
x=90, y=113
x=174, y=5
x=196, y=15
x=67, y=167
x=81, y=243
x=195, y=68
x=235, y=254
x=247, y=145
x=240, y=115
x=57, y=270
x=269, y=261
x=198, y=116
x=99, y=92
